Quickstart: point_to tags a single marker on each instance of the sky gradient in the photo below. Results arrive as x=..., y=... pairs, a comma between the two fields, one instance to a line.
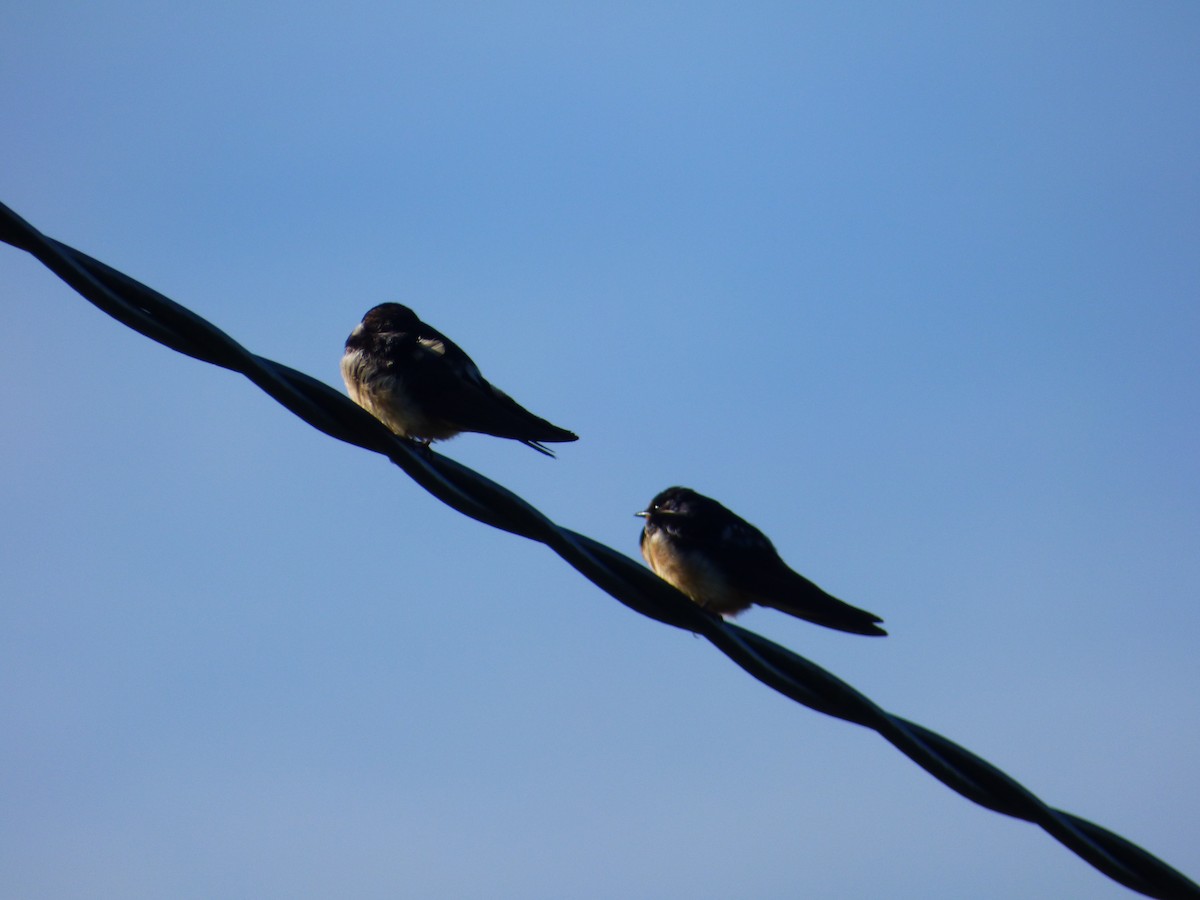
x=915, y=290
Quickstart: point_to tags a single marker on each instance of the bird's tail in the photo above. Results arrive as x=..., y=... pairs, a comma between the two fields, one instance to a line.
x=548, y=432
x=807, y=601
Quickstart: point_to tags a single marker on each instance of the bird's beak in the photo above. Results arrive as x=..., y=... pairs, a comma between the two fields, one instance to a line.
x=644, y=514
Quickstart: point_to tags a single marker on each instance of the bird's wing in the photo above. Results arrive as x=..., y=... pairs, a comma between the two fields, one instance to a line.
x=462, y=396
x=755, y=570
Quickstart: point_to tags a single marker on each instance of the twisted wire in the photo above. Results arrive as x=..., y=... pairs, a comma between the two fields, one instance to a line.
x=162, y=320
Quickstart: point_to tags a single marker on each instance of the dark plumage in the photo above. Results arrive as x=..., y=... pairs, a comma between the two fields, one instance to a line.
x=725, y=564
x=421, y=385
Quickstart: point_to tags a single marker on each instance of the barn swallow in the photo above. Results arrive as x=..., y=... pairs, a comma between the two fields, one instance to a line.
x=725, y=564
x=419, y=383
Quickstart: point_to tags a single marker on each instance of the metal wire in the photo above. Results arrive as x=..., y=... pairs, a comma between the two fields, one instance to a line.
x=327, y=410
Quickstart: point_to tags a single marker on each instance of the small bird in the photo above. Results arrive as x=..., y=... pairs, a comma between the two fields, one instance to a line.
x=725, y=564
x=419, y=383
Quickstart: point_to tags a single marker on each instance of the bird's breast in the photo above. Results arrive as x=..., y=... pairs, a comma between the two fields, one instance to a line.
x=692, y=571
x=385, y=395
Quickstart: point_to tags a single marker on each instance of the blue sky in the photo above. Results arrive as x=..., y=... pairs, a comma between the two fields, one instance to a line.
x=913, y=289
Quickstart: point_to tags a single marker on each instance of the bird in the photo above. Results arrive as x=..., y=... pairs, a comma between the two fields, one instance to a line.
x=421, y=385
x=725, y=564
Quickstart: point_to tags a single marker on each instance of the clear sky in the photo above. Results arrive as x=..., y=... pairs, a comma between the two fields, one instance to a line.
x=913, y=287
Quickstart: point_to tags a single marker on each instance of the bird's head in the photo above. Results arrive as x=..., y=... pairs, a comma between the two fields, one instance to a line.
x=390, y=317
x=674, y=501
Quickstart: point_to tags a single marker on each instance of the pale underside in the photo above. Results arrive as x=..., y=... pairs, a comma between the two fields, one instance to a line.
x=695, y=575
x=386, y=398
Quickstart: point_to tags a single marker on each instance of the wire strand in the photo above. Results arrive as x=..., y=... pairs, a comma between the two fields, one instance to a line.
x=165, y=321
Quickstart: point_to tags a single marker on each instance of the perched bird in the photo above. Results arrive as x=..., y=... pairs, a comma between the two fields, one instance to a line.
x=419, y=383
x=725, y=564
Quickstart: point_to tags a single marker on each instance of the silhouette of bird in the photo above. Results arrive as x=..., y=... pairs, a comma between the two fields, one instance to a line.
x=421, y=385
x=725, y=564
